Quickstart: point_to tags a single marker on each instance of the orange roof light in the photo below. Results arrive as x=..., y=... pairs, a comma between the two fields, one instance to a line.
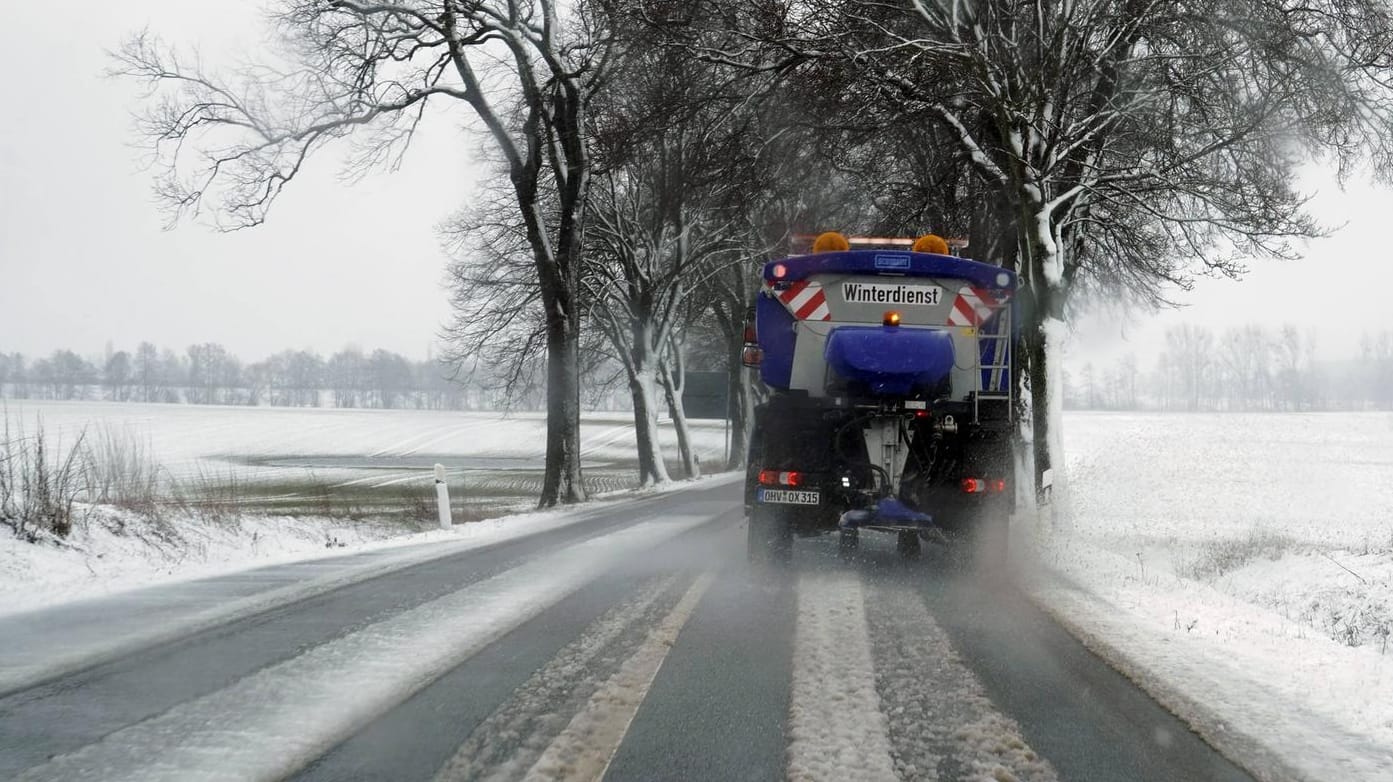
x=830, y=242
x=931, y=243
x=892, y=318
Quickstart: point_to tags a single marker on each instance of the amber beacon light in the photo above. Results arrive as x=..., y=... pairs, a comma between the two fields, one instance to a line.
x=830, y=242
x=931, y=243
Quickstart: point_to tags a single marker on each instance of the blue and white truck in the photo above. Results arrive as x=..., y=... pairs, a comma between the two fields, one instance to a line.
x=891, y=404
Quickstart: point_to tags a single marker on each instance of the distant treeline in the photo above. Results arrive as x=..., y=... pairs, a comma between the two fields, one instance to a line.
x=1250, y=368
x=209, y=374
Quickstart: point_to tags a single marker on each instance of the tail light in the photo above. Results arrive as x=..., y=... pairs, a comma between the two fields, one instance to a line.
x=752, y=354
x=780, y=478
x=983, y=485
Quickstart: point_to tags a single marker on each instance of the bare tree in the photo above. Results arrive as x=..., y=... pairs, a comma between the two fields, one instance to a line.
x=147, y=371
x=524, y=69
x=1130, y=139
x=116, y=375
x=1190, y=353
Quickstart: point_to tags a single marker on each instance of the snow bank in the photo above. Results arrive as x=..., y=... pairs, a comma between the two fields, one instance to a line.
x=116, y=551
x=1240, y=568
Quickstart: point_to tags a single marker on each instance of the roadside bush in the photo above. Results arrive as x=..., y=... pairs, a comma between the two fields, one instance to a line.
x=39, y=483
x=1219, y=557
x=119, y=469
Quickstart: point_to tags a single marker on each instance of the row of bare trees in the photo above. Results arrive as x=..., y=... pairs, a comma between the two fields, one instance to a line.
x=208, y=373
x=1243, y=369
x=652, y=152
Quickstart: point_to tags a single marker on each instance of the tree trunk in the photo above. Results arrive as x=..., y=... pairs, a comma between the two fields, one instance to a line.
x=672, y=389
x=562, y=480
x=1043, y=333
x=1043, y=330
x=738, y=407
x=643, y=386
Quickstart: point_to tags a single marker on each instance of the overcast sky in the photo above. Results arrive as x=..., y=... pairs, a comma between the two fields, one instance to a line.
x=84, y=259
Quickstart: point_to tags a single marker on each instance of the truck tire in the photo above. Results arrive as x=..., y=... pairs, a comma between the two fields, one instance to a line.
x=848, y=543
x=990, y=539
x=907, y=543
x=770, y=536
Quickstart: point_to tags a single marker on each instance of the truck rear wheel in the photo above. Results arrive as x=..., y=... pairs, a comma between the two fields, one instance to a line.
x=990, y=538
x=907, y=543
x=770, y=536
x=848, y=542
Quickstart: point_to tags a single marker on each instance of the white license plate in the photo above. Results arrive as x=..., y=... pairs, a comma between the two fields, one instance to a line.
x=788, y=497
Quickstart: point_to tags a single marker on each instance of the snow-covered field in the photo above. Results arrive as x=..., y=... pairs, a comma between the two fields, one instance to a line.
x=1240, y=567
x=373, y=463
x=376, y=448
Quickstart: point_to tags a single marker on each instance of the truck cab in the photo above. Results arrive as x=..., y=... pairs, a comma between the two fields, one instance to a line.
x=891, y=404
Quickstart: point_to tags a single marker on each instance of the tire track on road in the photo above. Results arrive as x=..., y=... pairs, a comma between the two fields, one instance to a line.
x=942, y=724
x=837, y=730
x=584, y=749
x=511, y=740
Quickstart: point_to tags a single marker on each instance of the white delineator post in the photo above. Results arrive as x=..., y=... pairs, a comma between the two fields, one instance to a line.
x=442, y=496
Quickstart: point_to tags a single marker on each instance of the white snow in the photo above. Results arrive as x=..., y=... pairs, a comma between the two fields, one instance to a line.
x=270, y=724
x=112, y=551
x=153, y=617
x=188, y=439
x=837, y=729
x=1240, y=567
x=936, y=705
x=115, y=551
x=506, y=744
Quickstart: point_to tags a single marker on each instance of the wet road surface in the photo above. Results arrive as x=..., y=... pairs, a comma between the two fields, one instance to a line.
x=637, y=643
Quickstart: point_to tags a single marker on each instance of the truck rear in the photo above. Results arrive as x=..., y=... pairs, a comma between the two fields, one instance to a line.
x=891, y=403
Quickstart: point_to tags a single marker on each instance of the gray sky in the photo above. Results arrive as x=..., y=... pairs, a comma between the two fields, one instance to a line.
x=1338, y=290
x=84, y=259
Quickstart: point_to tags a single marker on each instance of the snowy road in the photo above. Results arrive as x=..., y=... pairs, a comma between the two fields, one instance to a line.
x=635, y=643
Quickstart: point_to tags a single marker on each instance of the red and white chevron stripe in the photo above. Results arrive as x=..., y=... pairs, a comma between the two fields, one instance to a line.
x=805, y=299
x=973, y=307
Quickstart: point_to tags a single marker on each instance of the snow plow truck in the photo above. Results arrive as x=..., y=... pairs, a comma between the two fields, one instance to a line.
x=890, y=406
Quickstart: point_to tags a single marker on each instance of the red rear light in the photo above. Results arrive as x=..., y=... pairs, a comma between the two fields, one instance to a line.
x=999, y=485
x=974, y=485
x=750, y=334
x=751, y=356
x=777, y=478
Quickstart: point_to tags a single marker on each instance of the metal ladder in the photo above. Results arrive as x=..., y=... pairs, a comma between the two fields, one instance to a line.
x=998, y=369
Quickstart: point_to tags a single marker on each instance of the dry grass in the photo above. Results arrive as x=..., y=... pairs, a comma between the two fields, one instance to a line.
x=1219, y=557
x=40, y=484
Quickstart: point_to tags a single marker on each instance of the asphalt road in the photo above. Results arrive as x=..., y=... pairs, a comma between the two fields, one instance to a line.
x=636, y=643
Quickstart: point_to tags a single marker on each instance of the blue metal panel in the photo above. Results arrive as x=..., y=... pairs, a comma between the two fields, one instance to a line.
x=891, y=263
x=774, y=324
x=890, y=360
